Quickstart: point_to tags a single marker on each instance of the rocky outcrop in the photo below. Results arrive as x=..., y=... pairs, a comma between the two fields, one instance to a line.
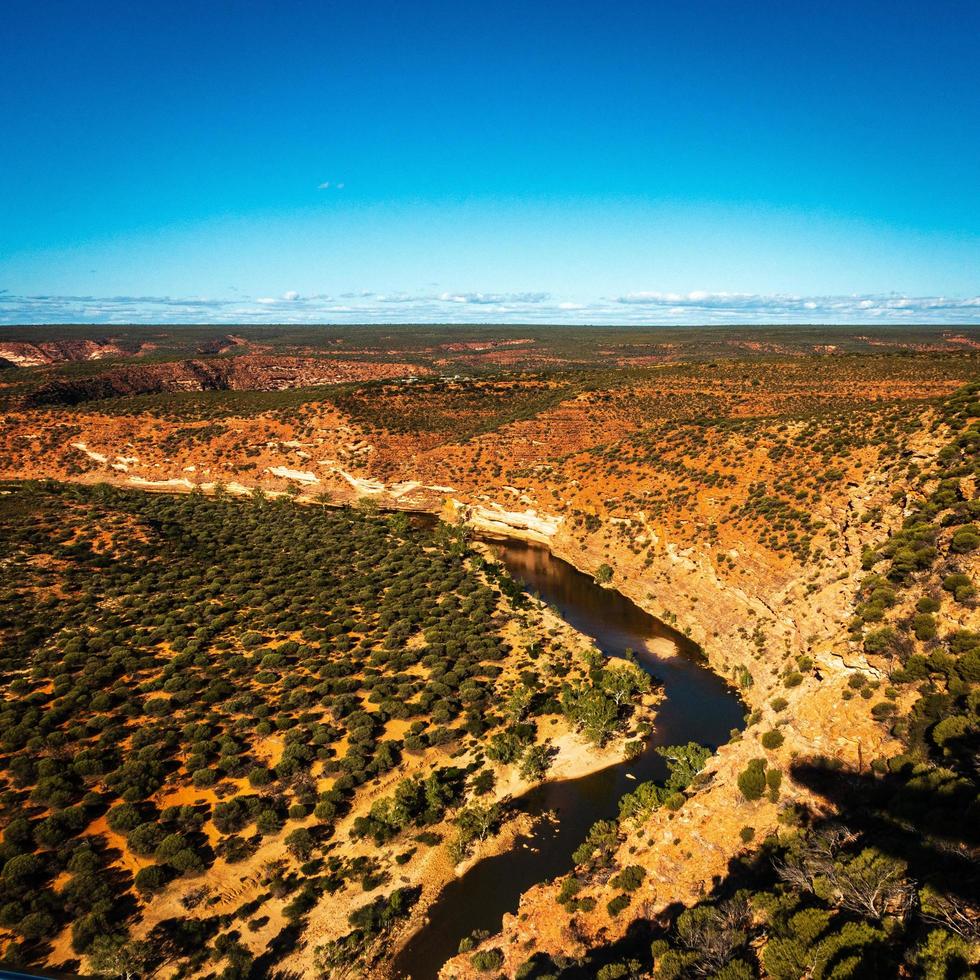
x=759, y=635
x=25, y=355
x=491, y=519
x=246, y=373
x=298, y=476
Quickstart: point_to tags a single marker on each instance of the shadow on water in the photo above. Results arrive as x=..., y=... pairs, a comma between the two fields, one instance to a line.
x=698, y=706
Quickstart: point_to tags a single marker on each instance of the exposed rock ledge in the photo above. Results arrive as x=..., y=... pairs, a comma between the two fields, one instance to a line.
x=493, y=519
x=685, y=852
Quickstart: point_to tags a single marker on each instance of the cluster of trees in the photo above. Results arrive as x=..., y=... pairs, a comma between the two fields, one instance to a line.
x=599, y=705
x=757, y=779
x=154, y=642
x=417, y=801
x=684, y=762
x=455, y=410
x=829, y=903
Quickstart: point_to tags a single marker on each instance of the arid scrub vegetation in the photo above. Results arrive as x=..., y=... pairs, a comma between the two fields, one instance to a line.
x=888, y=885
x=223, y=715
x=189, y=678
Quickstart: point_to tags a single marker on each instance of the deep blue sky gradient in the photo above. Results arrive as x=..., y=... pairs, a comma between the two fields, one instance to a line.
x=533, y=153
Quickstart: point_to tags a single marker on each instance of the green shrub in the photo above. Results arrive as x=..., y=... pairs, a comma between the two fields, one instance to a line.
x=966, y=539
x=488, y=959
x=772, y=739
x=963, y=640
x=570, y=887
x=969, y=666
x=881, y=641
x=150, y=879
x=259, y=776
x=960, y=585
x=202, y=778
x=122, y=818
x=774, y=779
x=950, y=728
x=617, y=904
x=752, y=780
x=924, y=626
x=630, y=878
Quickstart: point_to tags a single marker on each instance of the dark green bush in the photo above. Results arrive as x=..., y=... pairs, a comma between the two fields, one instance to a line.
x=752, y=780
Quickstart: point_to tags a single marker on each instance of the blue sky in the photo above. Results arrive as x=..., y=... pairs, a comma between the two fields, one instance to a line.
x=581, y=162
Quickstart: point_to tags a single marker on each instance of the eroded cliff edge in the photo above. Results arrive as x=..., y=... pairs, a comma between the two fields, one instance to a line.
x=758, y=636
x=768, y=596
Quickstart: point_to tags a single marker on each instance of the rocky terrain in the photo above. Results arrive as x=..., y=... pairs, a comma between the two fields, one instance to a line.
x=25, y=355
x=246, y=373
x=755, y=501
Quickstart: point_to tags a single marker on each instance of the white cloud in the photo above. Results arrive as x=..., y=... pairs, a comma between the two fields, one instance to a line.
x=754, y=307
x=324, y=186
x=639, y=308
x=491, y=299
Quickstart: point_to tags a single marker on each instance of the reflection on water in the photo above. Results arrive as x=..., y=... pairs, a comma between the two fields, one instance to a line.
x=698, y=707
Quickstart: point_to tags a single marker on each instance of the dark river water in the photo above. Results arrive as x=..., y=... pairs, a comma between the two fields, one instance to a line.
x=698, y=706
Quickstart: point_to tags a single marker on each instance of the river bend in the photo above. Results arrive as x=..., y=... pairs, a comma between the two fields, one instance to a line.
x=697, y=706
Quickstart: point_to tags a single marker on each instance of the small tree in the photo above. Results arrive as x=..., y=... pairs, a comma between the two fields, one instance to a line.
x=714, y=933
x=150, y=879
x=488, y=959
x=300, y=843
x=630, y=878
x=592, y=710
x=772, y=739
x=623, y=683
x=752, y=780
x=519, y=702
x=536, y=762
x=113, y=956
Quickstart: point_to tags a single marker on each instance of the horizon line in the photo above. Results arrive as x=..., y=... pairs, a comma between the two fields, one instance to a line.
x=516, y=324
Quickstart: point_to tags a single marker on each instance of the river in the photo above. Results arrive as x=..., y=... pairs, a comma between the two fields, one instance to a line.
x=697, y=706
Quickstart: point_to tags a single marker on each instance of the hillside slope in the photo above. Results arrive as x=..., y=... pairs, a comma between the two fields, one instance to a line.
x=808, y=522
x=861, y=675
